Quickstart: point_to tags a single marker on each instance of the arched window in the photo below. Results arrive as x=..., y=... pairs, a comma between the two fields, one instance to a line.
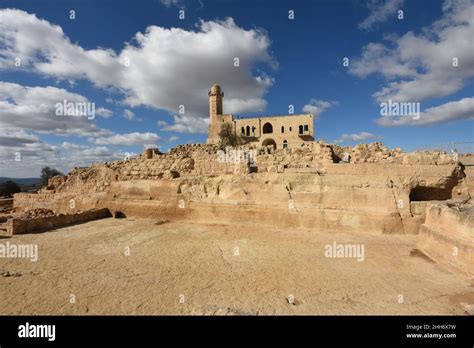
x=285, y=144
x=283, y=129
x=248, y=131
x=243, y=131
x=253, y=130
x=267, y=128
x=301, y=129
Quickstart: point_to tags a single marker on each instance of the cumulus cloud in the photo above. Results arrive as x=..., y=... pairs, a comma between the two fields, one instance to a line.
x=11, y=137
x=186, y=124
x=128, y=139
x=384, y=61
x=26, y=112
x=128, y=114
x=422, y=66
x=161, y=123
x=356, y=137
x=457, y=110
x=380, y=11
x=173, y=138
x=23, y=35
x=172, y=67
x=26, y=158
x=103, y=112
x=19, y=149
x=244, y=105
x=161, y=68
x=317, y=107
x=25, y=152
x=34, y=109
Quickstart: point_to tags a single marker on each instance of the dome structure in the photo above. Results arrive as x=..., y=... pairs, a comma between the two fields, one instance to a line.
x=215, y=89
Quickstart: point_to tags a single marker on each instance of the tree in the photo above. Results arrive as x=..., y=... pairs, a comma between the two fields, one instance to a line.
x=227, y=136
x=8, y=188
x=47, y=173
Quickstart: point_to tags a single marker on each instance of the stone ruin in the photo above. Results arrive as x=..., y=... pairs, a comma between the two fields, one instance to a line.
x=368, y=188
x=197, y=159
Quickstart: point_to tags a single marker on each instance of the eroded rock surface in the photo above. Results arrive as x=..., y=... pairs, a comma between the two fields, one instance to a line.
x=372, y=189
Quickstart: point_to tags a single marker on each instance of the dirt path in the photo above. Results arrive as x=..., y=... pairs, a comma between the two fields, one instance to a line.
x=183, y=268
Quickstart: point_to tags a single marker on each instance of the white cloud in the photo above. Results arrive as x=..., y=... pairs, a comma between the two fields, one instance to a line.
x=244, y=105
x=33, y=109
x=128, y=139
x=11, y=137
x=177, y=67
x=169, y=3
x=100, y=152
x=356, y=137
x=128, y=114
x=317, y=107
x=79, y=155
x=150, y=146
x=187, y=124
x=420, y=66
x=457, y=110
x=25, y=159
x=380, y=11
x=161, y=123
x=23, y=35
x=105, y=113
x=19, y=149
x=377, y=58
x=161, y=68
x=71, y=146
x=173, y=138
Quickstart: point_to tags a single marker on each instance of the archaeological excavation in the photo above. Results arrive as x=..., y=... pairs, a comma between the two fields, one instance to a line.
x=265, y=226
x=254, y=172
x=378, y=196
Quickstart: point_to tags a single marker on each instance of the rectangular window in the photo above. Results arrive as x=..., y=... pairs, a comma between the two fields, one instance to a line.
x=283, y=129
x=305, y=127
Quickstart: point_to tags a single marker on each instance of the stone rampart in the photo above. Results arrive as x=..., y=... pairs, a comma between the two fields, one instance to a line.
x=447, y=236
x=22, y=226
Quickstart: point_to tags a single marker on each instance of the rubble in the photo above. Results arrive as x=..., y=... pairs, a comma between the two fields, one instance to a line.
x=368, y=187
x=204, y=159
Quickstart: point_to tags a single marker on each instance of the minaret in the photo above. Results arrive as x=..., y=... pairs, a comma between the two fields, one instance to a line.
x=215, y=100
x=215, y=113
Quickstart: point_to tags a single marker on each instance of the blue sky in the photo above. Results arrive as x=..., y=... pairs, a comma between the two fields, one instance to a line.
x=282, y=62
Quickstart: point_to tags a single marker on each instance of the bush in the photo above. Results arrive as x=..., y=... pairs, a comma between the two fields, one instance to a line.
x=47, y=173
x=227, y=136
x=8, y=188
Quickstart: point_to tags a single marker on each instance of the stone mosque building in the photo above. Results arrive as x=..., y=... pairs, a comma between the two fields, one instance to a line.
x=285, y=131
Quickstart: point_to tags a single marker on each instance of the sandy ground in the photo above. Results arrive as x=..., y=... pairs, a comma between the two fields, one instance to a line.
x=184, y=268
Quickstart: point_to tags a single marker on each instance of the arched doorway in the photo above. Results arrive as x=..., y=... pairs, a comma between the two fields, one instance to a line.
x=285, y=144
x=268, y=142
